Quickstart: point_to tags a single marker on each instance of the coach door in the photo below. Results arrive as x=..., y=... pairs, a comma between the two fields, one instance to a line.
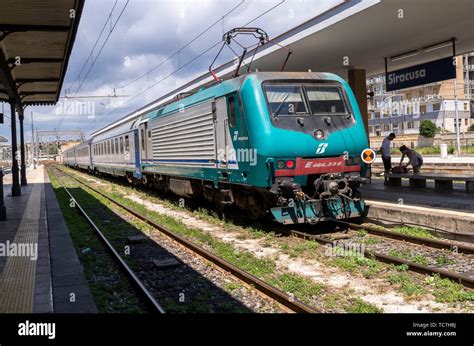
x=220, y=116
x=144, y=141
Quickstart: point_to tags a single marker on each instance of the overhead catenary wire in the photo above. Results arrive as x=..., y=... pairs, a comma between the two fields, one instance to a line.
x=161, y=80
x=184, y=46
x=95, y=45
x=97, y=56
x=181, y=67
x=102, y=47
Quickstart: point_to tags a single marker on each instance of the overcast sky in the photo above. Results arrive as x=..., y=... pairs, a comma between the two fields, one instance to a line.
x=147, y=33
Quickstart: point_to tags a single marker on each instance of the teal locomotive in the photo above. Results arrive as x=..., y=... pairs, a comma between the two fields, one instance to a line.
x=284, y=143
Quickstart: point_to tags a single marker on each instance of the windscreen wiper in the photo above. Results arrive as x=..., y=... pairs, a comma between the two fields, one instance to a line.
x=275, y=114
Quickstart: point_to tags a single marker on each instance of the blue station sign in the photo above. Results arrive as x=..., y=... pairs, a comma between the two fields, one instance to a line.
x=430, y=72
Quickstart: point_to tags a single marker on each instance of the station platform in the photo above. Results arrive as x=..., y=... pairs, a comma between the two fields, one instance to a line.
x=450, y=211
x=40, y=271
x=450, y=160
x=456, y=200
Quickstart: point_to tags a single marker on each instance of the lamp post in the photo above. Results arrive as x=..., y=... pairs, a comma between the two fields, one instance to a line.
x=458, y=125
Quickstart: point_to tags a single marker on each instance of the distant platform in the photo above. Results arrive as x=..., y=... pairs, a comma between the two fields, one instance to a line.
x=450, y=160
x=451, y=211
x=39, y=268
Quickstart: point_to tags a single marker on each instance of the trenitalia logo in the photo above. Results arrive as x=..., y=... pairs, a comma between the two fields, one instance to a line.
x=321, y=148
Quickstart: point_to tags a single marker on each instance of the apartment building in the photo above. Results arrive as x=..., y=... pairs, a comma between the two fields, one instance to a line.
x=402, y=111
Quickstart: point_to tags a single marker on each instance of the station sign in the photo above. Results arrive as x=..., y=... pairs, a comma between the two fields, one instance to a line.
x=430, y=72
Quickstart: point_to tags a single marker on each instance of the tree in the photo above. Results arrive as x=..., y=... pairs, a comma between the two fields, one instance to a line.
x=471, y=128
x=427, y=129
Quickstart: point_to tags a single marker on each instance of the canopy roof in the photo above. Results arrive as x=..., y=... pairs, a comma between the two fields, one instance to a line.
x=36, y=39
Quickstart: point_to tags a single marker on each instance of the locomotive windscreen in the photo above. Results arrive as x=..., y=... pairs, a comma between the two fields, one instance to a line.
x=288, y=100
x=306, y=106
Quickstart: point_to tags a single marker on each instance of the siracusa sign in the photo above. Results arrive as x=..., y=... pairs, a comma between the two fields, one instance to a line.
x=429, y=72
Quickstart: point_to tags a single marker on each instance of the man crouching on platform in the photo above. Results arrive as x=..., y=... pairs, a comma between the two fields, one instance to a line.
x=415, y=158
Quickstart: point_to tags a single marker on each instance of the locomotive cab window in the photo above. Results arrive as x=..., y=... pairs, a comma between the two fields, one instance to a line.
x=326, y=100
x=286, y=100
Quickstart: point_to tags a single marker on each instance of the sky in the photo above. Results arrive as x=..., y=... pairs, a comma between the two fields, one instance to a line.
x=144, y=52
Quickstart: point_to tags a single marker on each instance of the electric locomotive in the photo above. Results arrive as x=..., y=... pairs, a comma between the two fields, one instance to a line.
x=287, y=144
x=283, y=142
x=280, y=142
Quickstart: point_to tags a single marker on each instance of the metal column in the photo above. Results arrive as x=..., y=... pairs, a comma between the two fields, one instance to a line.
x=358, y=82
x=3, y=209
x=16, y=189
x=22, y=148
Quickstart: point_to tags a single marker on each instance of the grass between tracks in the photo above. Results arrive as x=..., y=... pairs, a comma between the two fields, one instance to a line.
x=264, y=268
x=112, y=291
x=414, y=231
x=412, y=286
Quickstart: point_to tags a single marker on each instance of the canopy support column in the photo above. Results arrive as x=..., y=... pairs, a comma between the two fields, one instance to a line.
x=16, y=189
x=358, y=83
x=22, y=149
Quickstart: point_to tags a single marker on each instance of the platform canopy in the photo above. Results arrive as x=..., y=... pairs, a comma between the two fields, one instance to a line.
x=36, y=39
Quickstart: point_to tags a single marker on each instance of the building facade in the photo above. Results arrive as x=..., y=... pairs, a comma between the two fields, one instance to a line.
x=402, y=111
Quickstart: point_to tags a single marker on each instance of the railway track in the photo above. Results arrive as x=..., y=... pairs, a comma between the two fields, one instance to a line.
x=147, y=297
x=412, y=266
x=288, y=302
x=433, y=243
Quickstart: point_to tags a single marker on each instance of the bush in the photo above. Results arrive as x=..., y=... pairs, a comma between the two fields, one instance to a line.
x=471, y=128
x=427, y=129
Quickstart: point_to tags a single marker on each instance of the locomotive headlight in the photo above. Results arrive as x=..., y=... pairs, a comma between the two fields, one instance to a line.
x=290, y=164
x=319, y=134
x=357, y=160
x=281, y=164
x=350, y=160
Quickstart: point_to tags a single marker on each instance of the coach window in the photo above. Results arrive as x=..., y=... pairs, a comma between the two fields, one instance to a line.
x=232, y=111
x=121, y=145
x=116, y=146
x=113, y=146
